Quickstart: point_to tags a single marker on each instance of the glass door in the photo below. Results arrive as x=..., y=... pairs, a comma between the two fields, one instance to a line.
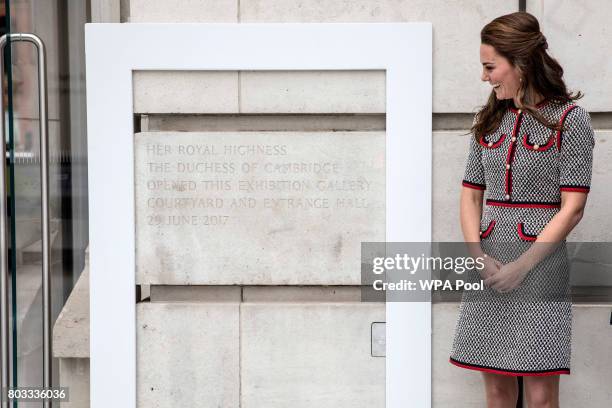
x=60, y=27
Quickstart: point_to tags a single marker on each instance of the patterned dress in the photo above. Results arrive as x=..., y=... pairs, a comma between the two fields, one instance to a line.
x=523, y=168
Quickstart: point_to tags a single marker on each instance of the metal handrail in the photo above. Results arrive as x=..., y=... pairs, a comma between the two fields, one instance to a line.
x=44, y=179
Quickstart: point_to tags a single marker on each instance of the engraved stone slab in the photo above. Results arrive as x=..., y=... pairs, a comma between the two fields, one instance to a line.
x=257, y=207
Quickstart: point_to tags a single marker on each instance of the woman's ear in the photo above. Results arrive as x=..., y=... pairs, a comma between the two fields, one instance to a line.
x=519, y=73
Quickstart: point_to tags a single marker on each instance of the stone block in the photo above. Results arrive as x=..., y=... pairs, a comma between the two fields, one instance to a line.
x=183, y=11
x=579, y=37
x=269, y=208
x=596, y=224
x=185, y=91
x=450, y=150
x=187, y=355
x=74, y=374
x=310, y=355
x=589, y=383
x=456, y=40
x=312, y=92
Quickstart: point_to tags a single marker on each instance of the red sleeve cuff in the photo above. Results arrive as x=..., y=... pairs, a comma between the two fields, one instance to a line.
x=475, y=186
x=579, y=189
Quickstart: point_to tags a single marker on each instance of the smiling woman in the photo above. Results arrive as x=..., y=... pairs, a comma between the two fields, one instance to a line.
x=531, y=151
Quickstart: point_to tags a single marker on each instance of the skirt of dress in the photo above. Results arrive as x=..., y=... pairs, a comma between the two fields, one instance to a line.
x=526, y=331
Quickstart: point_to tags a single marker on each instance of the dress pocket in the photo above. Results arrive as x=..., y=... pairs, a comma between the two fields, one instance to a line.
x=525, y=234
x=492, y=141
x=538, y=142
x=487, y=231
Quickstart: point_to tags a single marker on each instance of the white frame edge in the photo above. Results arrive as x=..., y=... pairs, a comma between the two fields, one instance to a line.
x=113, y=51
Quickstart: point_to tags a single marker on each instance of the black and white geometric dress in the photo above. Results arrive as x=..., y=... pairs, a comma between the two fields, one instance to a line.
x=523, y=168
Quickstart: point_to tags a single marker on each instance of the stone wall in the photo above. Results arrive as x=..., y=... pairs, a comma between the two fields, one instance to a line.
x=256, y=342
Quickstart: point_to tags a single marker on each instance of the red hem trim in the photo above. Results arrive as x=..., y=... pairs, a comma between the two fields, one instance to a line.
x=472, y=185
x=510, y=373
x=487, y=232
x=565, y=113
x=523, y=235
x=577, y=189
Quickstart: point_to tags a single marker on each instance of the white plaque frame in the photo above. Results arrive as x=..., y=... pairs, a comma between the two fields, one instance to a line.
x=113, y=51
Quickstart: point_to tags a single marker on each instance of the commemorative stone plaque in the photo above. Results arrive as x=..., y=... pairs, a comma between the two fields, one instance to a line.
x=257, y=207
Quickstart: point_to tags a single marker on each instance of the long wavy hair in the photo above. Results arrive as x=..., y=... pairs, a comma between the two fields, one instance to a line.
x=518, y=38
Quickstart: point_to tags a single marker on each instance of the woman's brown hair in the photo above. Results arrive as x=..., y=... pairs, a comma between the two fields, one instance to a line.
x=517, y=37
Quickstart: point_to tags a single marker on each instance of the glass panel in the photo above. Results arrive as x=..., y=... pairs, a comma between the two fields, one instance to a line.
x=61, y=29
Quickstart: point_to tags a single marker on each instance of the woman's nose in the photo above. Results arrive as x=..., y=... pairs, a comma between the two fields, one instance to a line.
x=484, y=77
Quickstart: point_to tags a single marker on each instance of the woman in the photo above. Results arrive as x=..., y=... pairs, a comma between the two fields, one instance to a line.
x=531, y=154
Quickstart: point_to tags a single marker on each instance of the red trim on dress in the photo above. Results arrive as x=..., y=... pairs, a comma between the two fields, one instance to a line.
x=524, y=235
x=487, y=232
x=579, y=189
x=495, y=144
x=519, y=204
x=475, y=186
x=510, y=155
x=510, y=373
x=565, y=113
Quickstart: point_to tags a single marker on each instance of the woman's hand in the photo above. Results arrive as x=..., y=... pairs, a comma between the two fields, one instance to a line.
x=508, y=277
x=491, y=267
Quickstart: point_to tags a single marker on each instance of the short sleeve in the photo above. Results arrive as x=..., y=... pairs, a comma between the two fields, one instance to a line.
x=474, y=170
x=576, y=143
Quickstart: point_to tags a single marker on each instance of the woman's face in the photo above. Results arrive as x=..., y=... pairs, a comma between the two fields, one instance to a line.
x=497, y=71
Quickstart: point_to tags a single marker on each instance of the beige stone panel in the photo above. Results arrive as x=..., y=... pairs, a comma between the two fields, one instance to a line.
x=185, y=91
x=74, y=375
x=450, y=150
x=596, y=223
x=312, y=92
x=273, y=208
x=310, y=355
x=456, y=35
x=187, y=355
x=183, y=11
x=589, y=383
x=579, y=36
x=71, y=329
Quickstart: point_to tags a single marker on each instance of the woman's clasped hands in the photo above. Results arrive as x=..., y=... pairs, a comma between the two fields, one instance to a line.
x=503, y=277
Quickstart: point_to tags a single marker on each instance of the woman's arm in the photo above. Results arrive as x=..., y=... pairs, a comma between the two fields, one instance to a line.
x=470, y=208
x=470, y=211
